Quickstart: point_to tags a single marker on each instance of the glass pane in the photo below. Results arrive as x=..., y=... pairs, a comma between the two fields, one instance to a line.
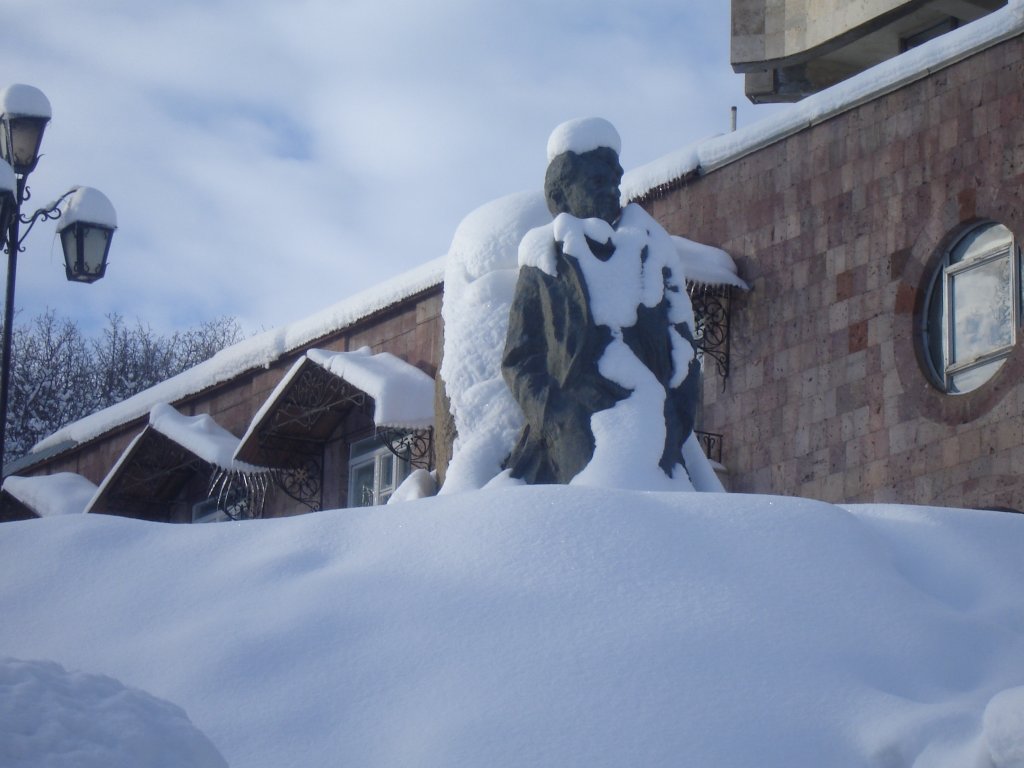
x=361, y=485
x=980, y=242
x=971, y=379
x=982, y=311
x=387, y=471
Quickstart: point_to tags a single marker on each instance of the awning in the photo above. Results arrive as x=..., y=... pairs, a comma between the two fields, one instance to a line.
x=325, y=388
x=168, y=454
x=62, y=493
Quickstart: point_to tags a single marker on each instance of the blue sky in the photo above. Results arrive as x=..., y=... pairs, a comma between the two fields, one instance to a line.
x=267, y=158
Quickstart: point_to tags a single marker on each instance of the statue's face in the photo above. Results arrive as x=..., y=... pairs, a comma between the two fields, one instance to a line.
x=586, y=185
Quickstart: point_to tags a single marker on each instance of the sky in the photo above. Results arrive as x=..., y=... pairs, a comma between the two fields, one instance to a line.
x=267, y=159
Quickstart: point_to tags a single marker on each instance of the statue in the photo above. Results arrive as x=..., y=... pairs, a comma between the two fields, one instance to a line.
x=600, y=353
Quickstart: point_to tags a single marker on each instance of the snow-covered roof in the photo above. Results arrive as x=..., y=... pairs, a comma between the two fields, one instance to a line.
x=259, y=351
x=63, y=493
x=890, y=75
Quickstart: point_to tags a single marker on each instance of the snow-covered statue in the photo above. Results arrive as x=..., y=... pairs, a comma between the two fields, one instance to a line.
x=600, y=353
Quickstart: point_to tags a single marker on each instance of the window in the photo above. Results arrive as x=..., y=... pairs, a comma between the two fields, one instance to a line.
x=374, y=473
x=972, y=312
x=208, y=511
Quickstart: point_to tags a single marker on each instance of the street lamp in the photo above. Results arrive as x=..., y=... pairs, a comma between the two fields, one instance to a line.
x=87, y=218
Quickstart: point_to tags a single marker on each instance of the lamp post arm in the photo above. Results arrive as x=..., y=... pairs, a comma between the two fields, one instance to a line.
x=47, y=213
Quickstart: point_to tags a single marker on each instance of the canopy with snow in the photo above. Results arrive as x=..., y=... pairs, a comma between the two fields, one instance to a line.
x=325, y=391
x=173, y=453
x=62, y=493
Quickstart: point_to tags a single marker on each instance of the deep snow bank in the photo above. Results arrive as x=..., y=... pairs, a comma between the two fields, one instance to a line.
x=549, y=626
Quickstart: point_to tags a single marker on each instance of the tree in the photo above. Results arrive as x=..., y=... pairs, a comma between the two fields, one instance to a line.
x=59, y=376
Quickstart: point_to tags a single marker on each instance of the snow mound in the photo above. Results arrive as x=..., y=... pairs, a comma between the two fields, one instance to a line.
x=51, y=718
x=548, y=626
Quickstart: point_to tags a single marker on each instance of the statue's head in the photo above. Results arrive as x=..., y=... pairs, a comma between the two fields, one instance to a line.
x=583, y=173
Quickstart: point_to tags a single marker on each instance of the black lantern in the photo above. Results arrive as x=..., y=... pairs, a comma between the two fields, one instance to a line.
x=87, y=224
x=24, y=113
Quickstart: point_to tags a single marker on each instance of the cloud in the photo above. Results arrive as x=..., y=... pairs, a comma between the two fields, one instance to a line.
x=267, y=159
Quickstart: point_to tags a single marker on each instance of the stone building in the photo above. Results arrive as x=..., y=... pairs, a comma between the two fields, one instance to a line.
x=877, y=356
x=789, y=49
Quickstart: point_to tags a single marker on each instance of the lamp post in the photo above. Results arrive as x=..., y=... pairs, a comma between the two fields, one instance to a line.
x=87, y=218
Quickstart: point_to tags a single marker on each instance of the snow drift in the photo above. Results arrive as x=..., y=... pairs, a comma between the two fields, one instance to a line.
x=549, y=626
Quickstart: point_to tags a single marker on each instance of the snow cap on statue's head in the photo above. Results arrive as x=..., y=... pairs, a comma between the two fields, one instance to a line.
x=583, y=135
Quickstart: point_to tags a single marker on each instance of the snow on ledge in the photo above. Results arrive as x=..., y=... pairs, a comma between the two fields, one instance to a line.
x=62, y=493
x=883, y=78
x=259, y=351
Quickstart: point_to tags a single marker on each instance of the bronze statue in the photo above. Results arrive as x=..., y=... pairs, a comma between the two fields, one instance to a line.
x=600, y=352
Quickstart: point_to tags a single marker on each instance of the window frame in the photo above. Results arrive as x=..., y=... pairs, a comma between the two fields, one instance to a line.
x=941, y=288
x=373, y=450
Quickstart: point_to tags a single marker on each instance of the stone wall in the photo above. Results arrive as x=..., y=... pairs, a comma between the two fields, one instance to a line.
x=839, y=228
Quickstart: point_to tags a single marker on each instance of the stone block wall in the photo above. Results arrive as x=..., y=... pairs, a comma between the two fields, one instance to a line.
x=838, y=229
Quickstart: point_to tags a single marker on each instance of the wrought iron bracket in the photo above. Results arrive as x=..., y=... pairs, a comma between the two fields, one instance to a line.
x=48, y=213
x=303, y=481
x=711, y=442
x=413, y=446
x=711, y=305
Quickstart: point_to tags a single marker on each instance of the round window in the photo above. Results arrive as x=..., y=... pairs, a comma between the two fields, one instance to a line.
x=972, y=311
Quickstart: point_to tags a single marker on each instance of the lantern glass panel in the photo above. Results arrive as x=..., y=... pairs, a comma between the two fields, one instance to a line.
x=22, y=136
x=85, y=251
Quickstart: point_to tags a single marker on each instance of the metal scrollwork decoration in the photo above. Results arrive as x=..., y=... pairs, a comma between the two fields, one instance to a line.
x=413, y=446
x=315, y=393
x=711, y=314
x=302, y=481
x=49, y=213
